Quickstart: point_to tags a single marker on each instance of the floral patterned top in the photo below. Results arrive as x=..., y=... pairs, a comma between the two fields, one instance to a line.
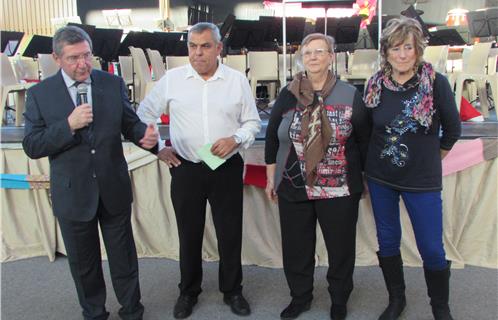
x=404, y=154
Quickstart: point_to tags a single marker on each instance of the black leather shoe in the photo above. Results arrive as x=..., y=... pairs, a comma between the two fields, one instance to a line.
x=238, y=304
x=338, y=312
x=183, y=306
x=293, y=310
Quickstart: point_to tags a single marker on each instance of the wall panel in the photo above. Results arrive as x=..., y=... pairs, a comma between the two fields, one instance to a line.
x=34, y=16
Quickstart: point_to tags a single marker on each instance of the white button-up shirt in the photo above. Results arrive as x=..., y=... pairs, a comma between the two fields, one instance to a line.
x=202, y=111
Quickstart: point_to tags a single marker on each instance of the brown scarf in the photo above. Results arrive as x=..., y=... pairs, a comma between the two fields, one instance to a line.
x=315, y=125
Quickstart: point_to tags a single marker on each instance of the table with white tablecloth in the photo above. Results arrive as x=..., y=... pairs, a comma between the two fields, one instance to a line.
x=29, y=229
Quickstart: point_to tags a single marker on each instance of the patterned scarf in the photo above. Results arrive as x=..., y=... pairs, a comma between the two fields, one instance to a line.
x=315, y=125
x=423, y=108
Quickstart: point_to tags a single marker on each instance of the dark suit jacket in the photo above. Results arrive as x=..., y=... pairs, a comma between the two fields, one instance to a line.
x=81, y=170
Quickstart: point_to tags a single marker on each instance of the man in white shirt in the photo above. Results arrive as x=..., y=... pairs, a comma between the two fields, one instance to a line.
x=208, y=103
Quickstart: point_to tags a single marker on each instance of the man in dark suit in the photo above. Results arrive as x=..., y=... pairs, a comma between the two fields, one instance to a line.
x=89, y=178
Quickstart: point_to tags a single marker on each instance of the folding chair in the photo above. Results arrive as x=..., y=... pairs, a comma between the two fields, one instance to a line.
x=9, y=84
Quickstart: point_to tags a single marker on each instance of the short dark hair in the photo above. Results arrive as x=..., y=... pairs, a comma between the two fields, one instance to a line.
x=69, y=35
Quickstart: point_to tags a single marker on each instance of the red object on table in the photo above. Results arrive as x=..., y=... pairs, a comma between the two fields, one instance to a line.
x=468, y=112
x=255, y=175
x=164, y=119
x=110, y=68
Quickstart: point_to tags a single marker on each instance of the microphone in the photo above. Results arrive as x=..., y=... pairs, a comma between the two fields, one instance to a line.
x=82, y=93
x=82, y=96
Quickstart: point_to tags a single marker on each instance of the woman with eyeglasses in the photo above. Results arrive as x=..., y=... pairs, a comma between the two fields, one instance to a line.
x=409, y=104
x=316, y=143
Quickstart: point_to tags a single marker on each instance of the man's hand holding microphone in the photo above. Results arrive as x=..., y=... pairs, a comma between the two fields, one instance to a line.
x=81, y=117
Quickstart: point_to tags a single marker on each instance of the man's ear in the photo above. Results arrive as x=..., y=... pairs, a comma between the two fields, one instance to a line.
x=219, y=48
x=57, y=59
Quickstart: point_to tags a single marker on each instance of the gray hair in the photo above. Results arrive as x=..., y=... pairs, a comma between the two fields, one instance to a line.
x=69, y=35
x=329, y=40
x=203, y=26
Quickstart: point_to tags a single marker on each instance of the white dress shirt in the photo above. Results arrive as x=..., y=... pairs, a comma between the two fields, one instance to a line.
x=202, y=111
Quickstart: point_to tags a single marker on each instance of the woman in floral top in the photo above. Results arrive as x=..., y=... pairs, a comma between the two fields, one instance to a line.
x=409, y=104
x=316, y=144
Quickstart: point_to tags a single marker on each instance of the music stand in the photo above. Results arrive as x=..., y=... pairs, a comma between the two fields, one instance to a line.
x=167, y=42
x=344, y=30
x=181, y=48
x=246, y=34
x=492, y=17
x=37, y=44
x=446, y=37
x=373, y=28
x=273, y=27
x=142, y=40
x=478, y=24
x=106, y=43
x=294, y=27
x=88, y=28
x=10, y=41
x=411, y=12
x=127, y=41
x=150, y=40
x=227, y=25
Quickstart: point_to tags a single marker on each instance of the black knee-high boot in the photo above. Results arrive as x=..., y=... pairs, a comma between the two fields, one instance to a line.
x=392, y=269
x=438, y=289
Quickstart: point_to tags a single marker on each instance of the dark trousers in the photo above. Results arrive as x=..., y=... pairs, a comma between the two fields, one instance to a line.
x=192, y=185
x=337, y=218
x=82, y=243
x=426, y=215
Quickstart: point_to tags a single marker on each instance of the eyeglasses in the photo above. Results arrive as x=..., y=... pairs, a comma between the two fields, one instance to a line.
x=317, y=52
x=74, y=59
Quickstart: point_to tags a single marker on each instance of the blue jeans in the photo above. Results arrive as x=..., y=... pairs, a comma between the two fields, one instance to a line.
x=426, y=214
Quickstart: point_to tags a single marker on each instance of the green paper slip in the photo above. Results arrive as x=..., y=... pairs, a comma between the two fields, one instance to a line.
x=210, y=159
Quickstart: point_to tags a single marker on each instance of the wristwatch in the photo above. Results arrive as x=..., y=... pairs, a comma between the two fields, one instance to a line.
x=237, y=139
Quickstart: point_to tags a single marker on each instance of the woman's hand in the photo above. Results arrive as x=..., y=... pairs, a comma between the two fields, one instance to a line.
x=270, y=183
x=444, y=153
x=270, y=191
